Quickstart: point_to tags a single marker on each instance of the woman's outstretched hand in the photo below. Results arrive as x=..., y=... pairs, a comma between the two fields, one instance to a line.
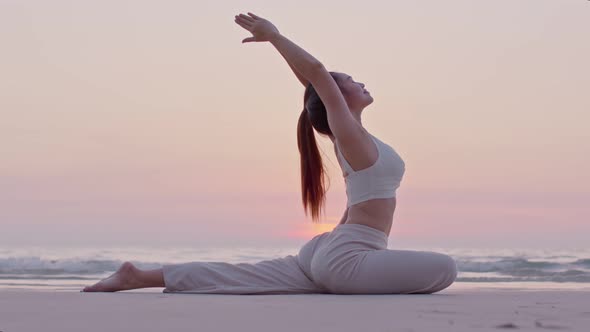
x=261, y=29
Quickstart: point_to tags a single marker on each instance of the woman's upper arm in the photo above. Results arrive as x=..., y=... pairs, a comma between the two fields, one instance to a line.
x=342, y=124
x=300, y=77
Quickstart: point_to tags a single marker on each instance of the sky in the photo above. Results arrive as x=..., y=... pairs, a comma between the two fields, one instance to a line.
x=149, y=122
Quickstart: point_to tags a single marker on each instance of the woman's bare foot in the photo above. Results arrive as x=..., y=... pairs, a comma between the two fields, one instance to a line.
x=126, y=277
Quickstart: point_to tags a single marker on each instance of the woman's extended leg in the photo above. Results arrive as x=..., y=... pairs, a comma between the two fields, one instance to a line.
x=128, y=277
x=274, y=276
x=286, y=275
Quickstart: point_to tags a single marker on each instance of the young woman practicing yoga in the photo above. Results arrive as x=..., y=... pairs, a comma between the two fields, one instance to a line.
x=351, y=259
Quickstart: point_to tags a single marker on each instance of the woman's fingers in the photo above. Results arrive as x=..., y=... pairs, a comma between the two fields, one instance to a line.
x=243, y=23
x=243, y=26
x=242, y=19
x=251, y=14
x=247, y=23
x=247, y=18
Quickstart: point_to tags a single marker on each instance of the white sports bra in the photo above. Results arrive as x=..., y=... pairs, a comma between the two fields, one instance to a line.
x=379, y=180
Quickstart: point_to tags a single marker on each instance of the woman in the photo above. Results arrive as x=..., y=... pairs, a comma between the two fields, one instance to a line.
x=351, y=259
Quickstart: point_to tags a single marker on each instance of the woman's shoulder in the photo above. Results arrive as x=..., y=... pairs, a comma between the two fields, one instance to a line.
x=360, y=153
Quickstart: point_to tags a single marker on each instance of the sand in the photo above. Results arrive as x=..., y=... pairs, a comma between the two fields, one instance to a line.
x=457, y=308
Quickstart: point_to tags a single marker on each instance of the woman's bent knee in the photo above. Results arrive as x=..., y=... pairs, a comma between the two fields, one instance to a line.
x=445, y=272
x=452, y=272
x=385, y=272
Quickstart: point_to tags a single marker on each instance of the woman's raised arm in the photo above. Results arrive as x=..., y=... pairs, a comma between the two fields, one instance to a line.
x=300, y=77
x=303, y=64
x=347, y=130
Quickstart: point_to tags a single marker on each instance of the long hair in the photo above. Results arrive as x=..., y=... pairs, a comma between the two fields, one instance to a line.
x=313, y=173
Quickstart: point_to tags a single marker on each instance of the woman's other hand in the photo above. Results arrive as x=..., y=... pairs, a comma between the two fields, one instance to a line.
x=261, y=29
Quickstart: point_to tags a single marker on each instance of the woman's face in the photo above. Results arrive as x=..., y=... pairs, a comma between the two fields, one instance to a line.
x=357, y=97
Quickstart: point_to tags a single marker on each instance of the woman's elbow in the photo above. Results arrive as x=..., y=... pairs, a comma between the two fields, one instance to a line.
x=315, y=69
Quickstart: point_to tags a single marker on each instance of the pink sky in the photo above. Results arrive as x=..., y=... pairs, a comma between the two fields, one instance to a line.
x=140, y=122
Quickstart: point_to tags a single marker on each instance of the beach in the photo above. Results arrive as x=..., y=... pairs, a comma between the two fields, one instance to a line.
x=457, y=308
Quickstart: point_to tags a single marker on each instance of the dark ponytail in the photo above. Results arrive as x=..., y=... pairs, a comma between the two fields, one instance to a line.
x=313, y=173
x=312, y=168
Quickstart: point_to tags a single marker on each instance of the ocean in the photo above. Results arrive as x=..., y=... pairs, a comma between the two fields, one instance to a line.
x=70, y=269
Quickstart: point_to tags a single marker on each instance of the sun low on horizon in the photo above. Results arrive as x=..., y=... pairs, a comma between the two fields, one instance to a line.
x=307, y=230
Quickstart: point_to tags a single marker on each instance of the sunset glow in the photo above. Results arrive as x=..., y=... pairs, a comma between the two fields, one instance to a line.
x=150, y=123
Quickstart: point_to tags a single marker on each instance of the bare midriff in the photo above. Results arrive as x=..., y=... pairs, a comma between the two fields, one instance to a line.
x=376, y=213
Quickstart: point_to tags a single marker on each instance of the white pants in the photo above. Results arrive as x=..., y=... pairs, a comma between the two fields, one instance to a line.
x=351, y=259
